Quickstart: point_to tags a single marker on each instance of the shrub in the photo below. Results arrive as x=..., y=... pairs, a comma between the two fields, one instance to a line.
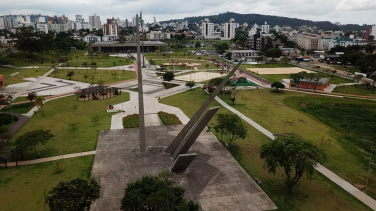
x=93, y=63
x=84, y=64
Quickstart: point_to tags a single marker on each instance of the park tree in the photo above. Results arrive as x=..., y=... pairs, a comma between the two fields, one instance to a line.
x=70, y=74
x=76, y=195
x=217, y=81
x=221, y=48
x=232, y=92
x=197, y=45
x=294, y=155
x=273, y=52
x=190, y=84
x=297, y=77
x=157, y=51
x=85, y=77
x=5, y=61
x=156, y=193
x=26, y=39
x=31, y=96
x=277, y=85
x=30, y=140
x=285, y=60
x=39, y=101
x=168, y=76
x=6, y=119
x=231, y=124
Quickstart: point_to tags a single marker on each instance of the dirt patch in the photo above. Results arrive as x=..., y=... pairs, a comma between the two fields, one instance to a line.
x=302, y=121
x=303, y=105
x=169, y=85
x=359, y=186
x=278, y=70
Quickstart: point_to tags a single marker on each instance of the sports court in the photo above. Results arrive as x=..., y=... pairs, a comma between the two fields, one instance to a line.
x=199, y=76
x=278, y=70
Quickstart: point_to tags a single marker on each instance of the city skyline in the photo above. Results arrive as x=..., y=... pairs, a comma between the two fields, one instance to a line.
x=343, y=11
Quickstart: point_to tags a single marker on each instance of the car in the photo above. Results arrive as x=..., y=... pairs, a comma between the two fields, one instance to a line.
x=199, y=54
x=208, y=53
x=205, y=54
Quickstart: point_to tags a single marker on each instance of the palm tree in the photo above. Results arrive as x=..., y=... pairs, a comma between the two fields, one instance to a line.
x=39, y=102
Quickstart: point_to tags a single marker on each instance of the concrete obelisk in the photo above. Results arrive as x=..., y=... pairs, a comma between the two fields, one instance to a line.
x=141, y=111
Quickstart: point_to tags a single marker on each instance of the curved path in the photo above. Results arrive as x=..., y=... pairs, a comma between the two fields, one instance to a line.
x=326, y=172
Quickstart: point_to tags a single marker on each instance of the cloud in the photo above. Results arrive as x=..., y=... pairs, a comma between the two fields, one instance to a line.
x=352, y=11
x=357, y=5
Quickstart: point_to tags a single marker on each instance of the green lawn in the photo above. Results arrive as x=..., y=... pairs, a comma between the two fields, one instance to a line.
x=26, y=187
x=107, y=76
x=355, y=90
x=169, y=119
x=98, y=62
x=203, y=65
x=318, y=194
x=270, y=111
x=57, y=116
x=131, y=121
x=333, y=79
x=23, y=60
x=23, y=73
x=271, y=65
x=19, y=108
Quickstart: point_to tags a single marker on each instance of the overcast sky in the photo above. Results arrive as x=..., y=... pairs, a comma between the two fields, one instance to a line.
x=343, y=11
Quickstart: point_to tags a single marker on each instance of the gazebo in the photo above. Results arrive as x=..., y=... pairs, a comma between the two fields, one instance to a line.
x=96, y=91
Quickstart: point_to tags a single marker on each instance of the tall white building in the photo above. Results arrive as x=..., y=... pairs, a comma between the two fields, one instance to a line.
x=2, y=23
x=253, y=30
x=23, y=19
x=373, y=32
x=265, y=28
x=229, y=30
x=95, y=21
x=207, y=29
x=111, y=28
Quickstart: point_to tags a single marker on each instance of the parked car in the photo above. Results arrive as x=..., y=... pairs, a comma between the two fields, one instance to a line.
x=199, y=54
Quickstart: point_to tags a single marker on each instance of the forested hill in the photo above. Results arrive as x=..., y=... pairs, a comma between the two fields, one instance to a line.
x=272, y=20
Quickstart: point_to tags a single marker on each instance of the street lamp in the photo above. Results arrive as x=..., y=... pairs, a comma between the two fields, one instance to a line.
x=369, y=164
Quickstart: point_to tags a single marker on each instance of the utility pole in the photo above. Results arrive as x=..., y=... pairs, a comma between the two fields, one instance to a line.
x=142, y=32
x=141, y=119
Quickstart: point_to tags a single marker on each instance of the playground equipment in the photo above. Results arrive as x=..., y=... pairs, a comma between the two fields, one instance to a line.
x=241, y=78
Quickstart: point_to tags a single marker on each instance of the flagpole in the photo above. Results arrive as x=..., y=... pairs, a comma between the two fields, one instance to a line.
x=141, y=112
x=142, y=32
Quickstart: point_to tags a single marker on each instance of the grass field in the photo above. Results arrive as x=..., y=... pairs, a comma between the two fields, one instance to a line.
x=318, y=194
x=23, y=73
x=107, y=76
x=57, y=116
x=169, y=119
x=131, y=121
x=270, y=111
x=355, y=90
x=110, y=62
x=26, y=187
x=19, y=108
x=333, y=79
x=271, y=65
x=204, y=64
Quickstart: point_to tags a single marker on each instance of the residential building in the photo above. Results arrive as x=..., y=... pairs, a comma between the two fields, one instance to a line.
x=92, y=38
x=253, y=30
x=95, y=21
x=229, y=30
x=207, y=29
x=256, y=42
x=344, y=42
x=23, y=19
x=111, y=28
x=158, y=35
x=310, y=42
x=2, y=23
x=265, y=28
x=373, y=32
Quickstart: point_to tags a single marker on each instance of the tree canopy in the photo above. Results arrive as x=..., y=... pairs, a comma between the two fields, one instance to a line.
x=76, y=195
x=156, y=193
x=30, y=140
x=277, y=85
x=229, y=123
x=294, y=155
x=221, y=47
x=6, y=119
x=273, y=52
x=168, y=76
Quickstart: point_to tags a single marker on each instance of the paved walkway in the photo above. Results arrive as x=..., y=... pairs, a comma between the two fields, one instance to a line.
x=24, y=89
x=22, y=119
x=28, y=162
x=152, y=107
x=326, y=172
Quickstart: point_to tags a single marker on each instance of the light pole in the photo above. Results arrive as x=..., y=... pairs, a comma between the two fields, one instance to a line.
x=190, y=75
x=173, y=63
x=61, y=147
x=369, y=164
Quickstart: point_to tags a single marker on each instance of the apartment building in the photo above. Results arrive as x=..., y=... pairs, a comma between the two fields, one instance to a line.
x=256, y=42
x=158, y=35
x=111, y=28
x=310, y=42
x=95, y=21
x=207, y=29
x=229, y=30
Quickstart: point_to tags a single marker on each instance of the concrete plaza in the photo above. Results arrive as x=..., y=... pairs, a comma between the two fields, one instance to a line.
x=215, y=179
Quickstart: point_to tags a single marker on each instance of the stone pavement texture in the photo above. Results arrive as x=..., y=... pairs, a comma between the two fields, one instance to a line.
x=214, y=179
x=326, y=172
